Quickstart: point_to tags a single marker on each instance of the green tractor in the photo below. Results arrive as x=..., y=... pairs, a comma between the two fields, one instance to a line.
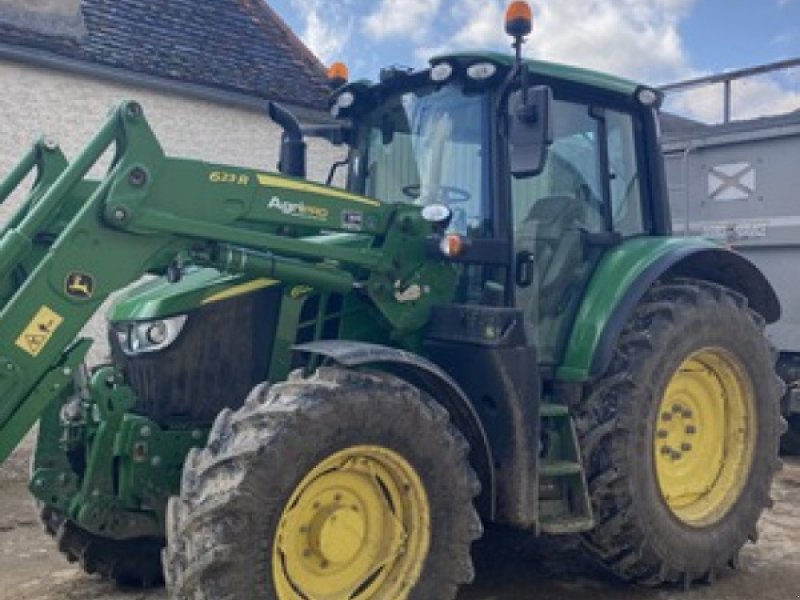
x=490, y=325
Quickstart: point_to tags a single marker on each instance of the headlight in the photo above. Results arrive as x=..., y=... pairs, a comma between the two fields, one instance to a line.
x=139, y=337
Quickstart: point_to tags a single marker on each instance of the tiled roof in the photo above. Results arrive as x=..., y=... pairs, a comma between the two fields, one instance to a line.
x=235, y=45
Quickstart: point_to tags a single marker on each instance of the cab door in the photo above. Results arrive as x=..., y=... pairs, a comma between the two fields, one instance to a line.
x=586, y=199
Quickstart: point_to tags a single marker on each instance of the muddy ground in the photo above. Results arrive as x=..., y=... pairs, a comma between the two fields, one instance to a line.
x=510, y=567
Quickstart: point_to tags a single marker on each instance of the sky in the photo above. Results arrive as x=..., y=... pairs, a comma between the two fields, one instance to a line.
x=654, y=41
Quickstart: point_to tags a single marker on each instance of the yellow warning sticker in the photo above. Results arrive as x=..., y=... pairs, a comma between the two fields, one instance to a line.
x=35, y=336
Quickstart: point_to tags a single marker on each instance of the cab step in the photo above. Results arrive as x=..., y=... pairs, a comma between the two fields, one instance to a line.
x=565, y=526
x=564, y=505
x=559, y=468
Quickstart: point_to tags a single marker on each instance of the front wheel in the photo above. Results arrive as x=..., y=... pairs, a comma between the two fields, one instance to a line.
x=129, y=563
x=343, y=486
x=681, y=436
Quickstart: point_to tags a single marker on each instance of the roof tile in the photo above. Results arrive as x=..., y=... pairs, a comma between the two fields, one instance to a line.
x=235, y=45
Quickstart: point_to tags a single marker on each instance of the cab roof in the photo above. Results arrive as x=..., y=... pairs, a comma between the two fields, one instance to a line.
x=568, y=73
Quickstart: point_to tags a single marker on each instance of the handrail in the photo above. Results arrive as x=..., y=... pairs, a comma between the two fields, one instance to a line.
x=727, y=78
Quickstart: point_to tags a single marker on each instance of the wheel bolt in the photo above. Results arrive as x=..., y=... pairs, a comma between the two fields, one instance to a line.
x=676, y=455
x=687, y=414
x=306, y=553
x=691, y=429
x=686, y=447
x=662, y=433
x=666, y=416
x=676, y=408
x=666, y=450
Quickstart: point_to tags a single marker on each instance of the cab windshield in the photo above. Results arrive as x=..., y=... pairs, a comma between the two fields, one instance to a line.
x=429, y=146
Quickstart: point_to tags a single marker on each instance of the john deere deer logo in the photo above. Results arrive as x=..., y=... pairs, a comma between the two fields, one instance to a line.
x=79, y=285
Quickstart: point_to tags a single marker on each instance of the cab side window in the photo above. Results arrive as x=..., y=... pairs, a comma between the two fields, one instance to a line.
x=624, y=176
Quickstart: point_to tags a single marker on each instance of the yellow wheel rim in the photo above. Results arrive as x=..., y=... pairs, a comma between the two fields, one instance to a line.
x=356, y=528
x=704, y=436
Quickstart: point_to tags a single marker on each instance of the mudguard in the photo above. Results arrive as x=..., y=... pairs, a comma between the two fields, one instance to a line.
x=627, y=272
x=425, y=375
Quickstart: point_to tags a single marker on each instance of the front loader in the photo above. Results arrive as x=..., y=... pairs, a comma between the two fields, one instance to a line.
x=324, y=394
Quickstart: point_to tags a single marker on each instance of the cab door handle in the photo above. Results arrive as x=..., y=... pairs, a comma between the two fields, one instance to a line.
x=524, y=268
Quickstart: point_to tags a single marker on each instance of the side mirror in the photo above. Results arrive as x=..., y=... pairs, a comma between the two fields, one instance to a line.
x=530, y=130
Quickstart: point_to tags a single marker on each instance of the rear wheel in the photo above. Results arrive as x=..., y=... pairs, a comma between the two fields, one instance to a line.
x=343, y=486
x=790, y=442
x=681, y=436
x=789, y=370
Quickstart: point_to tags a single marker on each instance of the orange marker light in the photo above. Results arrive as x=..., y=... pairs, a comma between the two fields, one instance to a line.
x=519, y=19
x=452, y=244
x=338, y=74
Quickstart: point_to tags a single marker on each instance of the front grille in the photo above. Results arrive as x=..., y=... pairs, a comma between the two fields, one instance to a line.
x=222, y=352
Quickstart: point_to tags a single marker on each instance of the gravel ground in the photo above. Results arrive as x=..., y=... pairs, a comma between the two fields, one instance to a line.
x=510, y=566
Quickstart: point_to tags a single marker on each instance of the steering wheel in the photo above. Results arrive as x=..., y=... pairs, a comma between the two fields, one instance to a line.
x=448, y=194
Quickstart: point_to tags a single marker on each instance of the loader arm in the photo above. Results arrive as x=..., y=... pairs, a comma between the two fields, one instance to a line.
x=75, y=241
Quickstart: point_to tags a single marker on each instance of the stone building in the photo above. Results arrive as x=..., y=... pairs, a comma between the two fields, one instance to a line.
x=202, y=69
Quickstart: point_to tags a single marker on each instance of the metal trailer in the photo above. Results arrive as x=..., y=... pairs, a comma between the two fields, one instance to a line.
x=739, y=182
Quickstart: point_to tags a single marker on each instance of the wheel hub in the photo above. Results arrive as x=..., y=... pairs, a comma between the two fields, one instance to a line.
x=356, y=528
x=704, y=436
x=340, y=535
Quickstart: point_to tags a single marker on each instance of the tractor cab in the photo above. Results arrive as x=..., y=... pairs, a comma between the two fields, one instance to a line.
x=541, y=167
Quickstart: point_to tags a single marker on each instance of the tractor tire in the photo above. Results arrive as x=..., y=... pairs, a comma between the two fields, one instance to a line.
x=346, y=484
x=134, y=563
x=129, y=563
x=680, y=436
x=49, y=517
x=790, y=442
x=789, y=371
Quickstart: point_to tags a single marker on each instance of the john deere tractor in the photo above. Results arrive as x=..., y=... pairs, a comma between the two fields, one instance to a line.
x=323, y=393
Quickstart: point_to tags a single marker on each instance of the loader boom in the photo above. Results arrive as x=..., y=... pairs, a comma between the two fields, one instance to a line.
x=75, y=241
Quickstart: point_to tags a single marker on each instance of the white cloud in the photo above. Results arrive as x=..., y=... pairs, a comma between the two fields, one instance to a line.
x=402, y=18
x=327, y=27
x=481, y=23
x=639, y=39
x=632, y=38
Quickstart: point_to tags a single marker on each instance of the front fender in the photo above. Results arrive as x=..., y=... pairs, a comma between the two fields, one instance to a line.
x=428, y=377
x=626, y=273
